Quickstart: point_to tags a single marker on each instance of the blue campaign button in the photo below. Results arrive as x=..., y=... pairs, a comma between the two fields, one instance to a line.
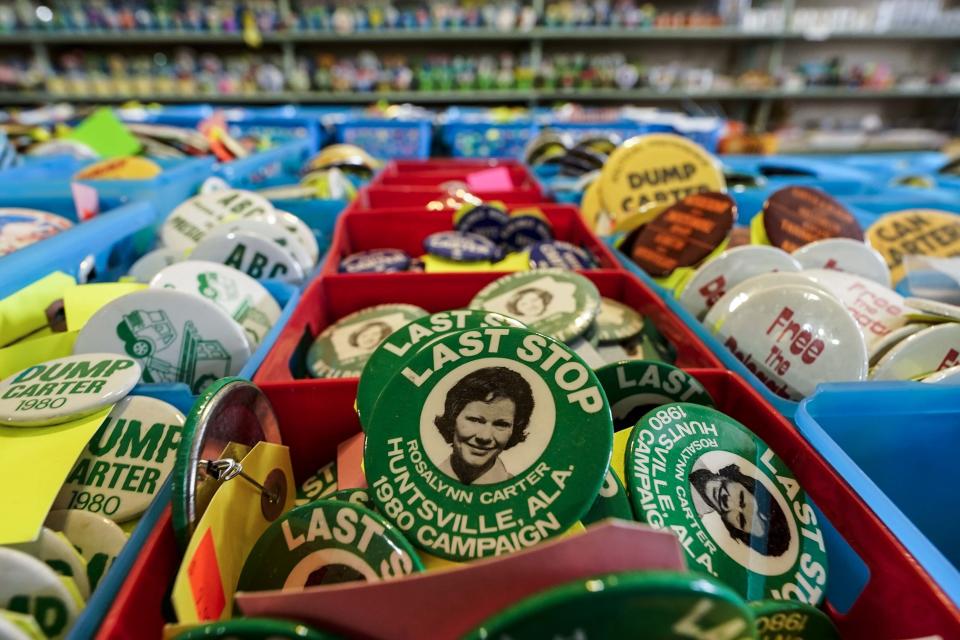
x=485, y=220
x=523, y=231
x=376, y=261
x=463, y=247
x=560, y=254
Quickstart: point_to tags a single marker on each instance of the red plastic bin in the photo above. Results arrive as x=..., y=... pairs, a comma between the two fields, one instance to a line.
x=519, y=177
x=449, y=164
x=899, y=599
x=379, y=197
x=405, y=229
x=332, y=297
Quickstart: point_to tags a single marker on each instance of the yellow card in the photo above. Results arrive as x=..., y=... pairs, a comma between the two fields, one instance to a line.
x=618, y=460
x=30, y=352
x=34, y=462
x=25, y=311
x=758, y=233
x=517, y=261
x=81, y=302
x=233, y=522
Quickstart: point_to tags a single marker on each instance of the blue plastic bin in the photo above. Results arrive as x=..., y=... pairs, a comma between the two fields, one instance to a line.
x=272, y=167
x=386, y=139
x=482, y=138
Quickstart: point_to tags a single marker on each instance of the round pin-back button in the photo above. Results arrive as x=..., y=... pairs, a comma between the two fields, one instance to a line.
x=327, y=542
x=29, y=581
x=19, y=626
x=557, y=302
x=254, y=629
x=925, y=232
x=950, y=375
x=777, y=619
x=657, y=168
x=713, y=279
x=214, y=184
x=67, y=388
x=322, y=484
x=508, y=445
x=175, y=336
x=464, y=247
x=685, y=233
x=98, y=539
x=341, y=350
x=525, y=230
x=845, y=254
x=392, y=354
x=617, y=322
x=359, y=497
x=634, y=388
x=561, y=255
x=257, y=256
x=611, y=502
x=881, y=346
x=151, y=263
x=648, y=604
x=52, y=548
x=793, y=337
x=485, y=219
x=592, y=208
x=237, y=294
x=302, y=231
x=755, y=529
x=795, y=216
x=937, y=308
x=737, y=294
x=22, y=227
x=125, y=168
x=376, y=261
x=189, y=222
x=117, y=477
x=273, y=231
x=928, y=351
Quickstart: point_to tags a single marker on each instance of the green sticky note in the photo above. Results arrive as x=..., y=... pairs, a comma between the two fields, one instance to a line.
x=103, y=132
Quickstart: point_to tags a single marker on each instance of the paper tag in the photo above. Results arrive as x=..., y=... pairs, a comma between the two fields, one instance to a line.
x=496, y=179
x=231, y=524
x=350, y=464
x=81, y=302
x=86, y=200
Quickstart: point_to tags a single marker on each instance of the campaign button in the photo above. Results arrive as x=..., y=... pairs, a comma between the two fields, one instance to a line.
x=592, y=209
x=928, y=351
x=795, y=216
x=29, y=584
x=237, y=294
x=462, y=247
x=19, y=626
x=525, y=230
x=190, y=222
x=376, y=261
x=98, y=539
x=560, y=303
x=67, y=388
x=611, y=502
x=175, y=336
x=257, y=256
x=126, y=168
x=22, y=227
x=731, y=300
x=739, y=511
x=253, y=629
x=273, y=231
x=882, y=346
x=943, y=310
x=561, y=255
x=918, y=232
x=126, y=462
x=485, y=219
x=391, y=355
x=509, y=437
x=214, y=184
x=322, y=484
x=617, y=322
x=359, y=497
x=714, y=278
x=793, y=337
x=685, y=233
x=950, y=375
x=779, y=619
x=342, y=349
x=149, y=264
x=52, y=548
x=844, y=254
x=327, y=542
x=636, y=387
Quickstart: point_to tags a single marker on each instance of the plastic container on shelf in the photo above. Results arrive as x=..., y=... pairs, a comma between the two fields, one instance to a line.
x=483, y=138
x=385, y=138
x=892, y=598
x=892, y=442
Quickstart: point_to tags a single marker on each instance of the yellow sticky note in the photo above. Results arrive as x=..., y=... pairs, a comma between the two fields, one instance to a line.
x=517, y=261
x=34, y=462
x=81, y=302
x=618, y=459
x=25, y=311
x=30, y=352
x=226, y=533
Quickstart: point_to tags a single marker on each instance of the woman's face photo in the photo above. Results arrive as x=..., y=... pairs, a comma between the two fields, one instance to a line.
x=736, y=505
x=530, y=304
x=370, y=336
x=483, y=430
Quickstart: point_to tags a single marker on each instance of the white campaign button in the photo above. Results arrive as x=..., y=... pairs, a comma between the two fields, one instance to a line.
x=48, y=599
x=729, y=269
x=192, y=219
x=214, y=184
x=67, y=388
x=845, y=254
x=53, y=548
x=176, y=337
x=935, y=308
x=19, y=626
x=303, y=232
x=793, y=337
x=240, y=296
x=925, y=352
x=149, y=264
x=272, y=231
x=732, y=299
x=22, y=227
x=258, y=257
x=116, y=476
x=947, y=376
x=98, y=539
x=880, y=347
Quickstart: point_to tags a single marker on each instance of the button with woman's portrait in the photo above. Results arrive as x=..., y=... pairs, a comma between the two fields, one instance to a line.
x=341, y=350
x=737, y=508
x=559, y=303
x=617, y=321
x=777, y=619
x=490, y=441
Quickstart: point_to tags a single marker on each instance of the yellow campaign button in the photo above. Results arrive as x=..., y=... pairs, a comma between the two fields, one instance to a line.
x=126, y=168
x=925, y=232
x=660, y=168
x=591, y=205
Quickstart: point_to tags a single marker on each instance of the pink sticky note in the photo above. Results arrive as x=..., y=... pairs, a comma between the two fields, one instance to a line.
x=496, y=179
x=431, y=605
x=349, y=461
x=85, y=200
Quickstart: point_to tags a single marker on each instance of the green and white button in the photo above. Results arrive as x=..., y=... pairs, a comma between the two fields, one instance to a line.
x=327, y=542
x=489, y=441
x=611, y=502
x=274, y=231
x=559, y=303
x=617, y=322
x=127, y=460
x=53, y=548
x=258, y=257
x=29, y=586
x=356, y=496
x=19, y=626
x=240, y=296
x=785, y=619
x=67, y=388
x=342, y=349
x=636, y=387
x=152, y=263
x=192, y=220
x=175, y=336
x=253, y=629
x=738, y=511
x=98, y=539
x=321, y=484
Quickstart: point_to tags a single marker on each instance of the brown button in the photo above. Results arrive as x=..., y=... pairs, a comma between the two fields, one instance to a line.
x=795, y=216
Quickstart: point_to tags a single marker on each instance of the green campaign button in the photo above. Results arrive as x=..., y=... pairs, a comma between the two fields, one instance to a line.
x=31, y=587
x=356, y=496
x=489, y=441
x=98, y=539
x=327, y=542
x=53, y=548
x=556, y=302
x=654, y=604
x=341, y=350
x=736, y=507
x=401, y=345
x=635, y=387
x=254, y=629
x=611, y=502
x=617, y=322
x=789, y=620
x=321, y=484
